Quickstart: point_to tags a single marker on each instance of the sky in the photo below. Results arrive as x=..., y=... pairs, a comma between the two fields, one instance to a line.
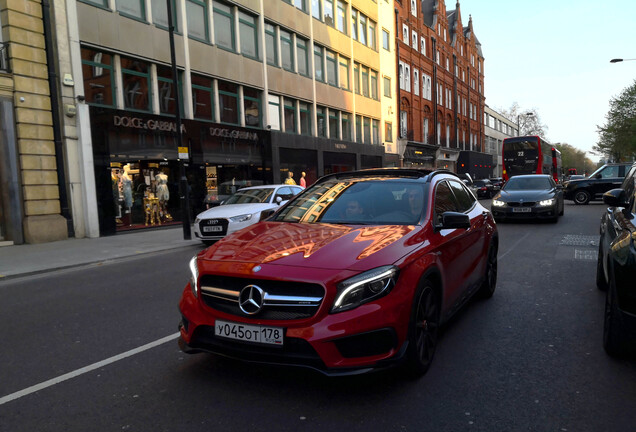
x=552, y=57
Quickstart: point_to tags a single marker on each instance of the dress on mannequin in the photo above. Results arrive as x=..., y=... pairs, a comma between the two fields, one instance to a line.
x=126, y=182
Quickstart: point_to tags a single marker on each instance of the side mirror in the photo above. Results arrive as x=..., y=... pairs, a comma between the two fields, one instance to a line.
x=560, y=186
x=454, y=220
x=598, y=176
x=615, y=198
x=279, y=200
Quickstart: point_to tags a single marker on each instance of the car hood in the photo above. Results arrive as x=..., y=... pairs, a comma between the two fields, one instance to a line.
x=229, y=210
x=526, y=195
x=323, y=246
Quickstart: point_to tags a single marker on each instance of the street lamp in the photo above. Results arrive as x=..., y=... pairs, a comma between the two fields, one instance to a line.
x=528, y=114
x=620, y=60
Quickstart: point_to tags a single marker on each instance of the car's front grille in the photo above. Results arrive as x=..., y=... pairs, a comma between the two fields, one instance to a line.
x=521, y=204
x=282, y=300
x=213, y=227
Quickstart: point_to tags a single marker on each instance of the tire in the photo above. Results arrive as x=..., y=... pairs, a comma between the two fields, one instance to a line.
x=615, y=342
x=601, y=282
x=581, y=197
x=489, y=284
x=562, y=208
x=423, y=329
x=208, y=242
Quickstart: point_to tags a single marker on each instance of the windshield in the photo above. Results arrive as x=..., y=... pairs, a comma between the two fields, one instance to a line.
x=368, y=201
x=250, y=196
x=528, y=183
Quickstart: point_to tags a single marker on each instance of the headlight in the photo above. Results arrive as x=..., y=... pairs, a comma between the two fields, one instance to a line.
x=194, y=276
x=364, y=287
x=498, y=203
x=197, y=220
x=241, y=218
x=547, y=202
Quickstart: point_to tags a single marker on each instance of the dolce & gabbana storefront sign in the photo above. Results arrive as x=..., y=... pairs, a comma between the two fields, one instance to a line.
x=147, y=124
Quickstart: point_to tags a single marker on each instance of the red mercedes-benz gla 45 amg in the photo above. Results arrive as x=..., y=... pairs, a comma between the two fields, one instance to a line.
x=356, y=273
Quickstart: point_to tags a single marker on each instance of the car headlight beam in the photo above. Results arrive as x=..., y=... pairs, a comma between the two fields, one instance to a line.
x=364, y=287
x=194, y=276
x=241, y=218
x=498, y=203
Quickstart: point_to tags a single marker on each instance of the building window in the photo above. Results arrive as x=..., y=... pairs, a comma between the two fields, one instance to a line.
x=387, y=86
x=346, y=127
x=160, y=14
x=270, y=45
x=318, y=63
x=334, y=125
x=365, y=80
x=305, y=118
x=416, y=81
x=286, y=50
x=332, y=68
x=329, y=14
x=385, y=40
x=228, y=103
x=252, y=107
x=136, y=82
x=367, y=129
x=223, y=26
x=425, y=131
x=354, y=24
x=249, y=38
x=321, y=127
x=102, y=3
x=426, y=87
x=362, y=33
x=374, y=85
x=414, y=40
x=167, y=91
x=403, y=124
x=132, y=8
x=273, y=111
x=413, y=7
x=388, y=131
x=342, y=22
x=196, y=15
x=99, y=81
x=423, y=45
x=301, y=56
x=315, y=9
x=405, y=34
x=375, y=125
x=344, y=73
x=358, y=128
x=290, y=115
x=202, y=97
x=356, y=78
x=407, y=78
x=371, y=43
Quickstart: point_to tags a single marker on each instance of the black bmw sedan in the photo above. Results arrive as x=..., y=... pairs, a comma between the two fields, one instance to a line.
x=616, y=269
x=529, y=196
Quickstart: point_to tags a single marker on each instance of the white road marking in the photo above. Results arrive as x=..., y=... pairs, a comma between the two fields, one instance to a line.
x=501, y=256
x=89, y=368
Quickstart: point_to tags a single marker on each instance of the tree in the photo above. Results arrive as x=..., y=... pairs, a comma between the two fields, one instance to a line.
x=571, y=157
x=528, y=119
x=617, y=137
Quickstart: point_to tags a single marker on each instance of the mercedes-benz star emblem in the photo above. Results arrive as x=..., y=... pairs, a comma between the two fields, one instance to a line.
x=251, y=299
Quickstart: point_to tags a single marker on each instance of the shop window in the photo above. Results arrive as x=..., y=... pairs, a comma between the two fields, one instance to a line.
x=167, y=91
x=270, y=45
x=136, y=83
x=160, y=14
x=197, y=16
x=318, y=63
x=305, y=119
x=346, y=127
x=332, y=68
x=132, y=8
x=228, y=102
x=99, y=84
x=301, y=56
x=202, y=97
x=273, y=112
x=249, y=40
x=223, y=26
x=290, y=115
x=334, y=125
x=252, y=107
x=321, y=127
x=286, y=50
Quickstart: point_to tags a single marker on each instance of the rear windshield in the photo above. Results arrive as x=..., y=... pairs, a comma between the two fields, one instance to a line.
x=520, y=157
x=372, y=201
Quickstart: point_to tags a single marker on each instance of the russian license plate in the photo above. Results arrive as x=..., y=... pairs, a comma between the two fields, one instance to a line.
x=521, y=210
x=249, y=333
x=217, y=228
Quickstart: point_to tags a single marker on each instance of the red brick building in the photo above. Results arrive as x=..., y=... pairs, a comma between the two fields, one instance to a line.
x=440, y=84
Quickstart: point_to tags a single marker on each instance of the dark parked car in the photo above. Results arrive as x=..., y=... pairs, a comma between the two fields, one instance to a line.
x=355, y=273
x=497, y=182
x=609, y=176
x=616, y=269
x=529, y=196
x=484, y=188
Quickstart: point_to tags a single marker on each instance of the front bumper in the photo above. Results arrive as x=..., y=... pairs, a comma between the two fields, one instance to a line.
x=535, y=212
x=370, y=337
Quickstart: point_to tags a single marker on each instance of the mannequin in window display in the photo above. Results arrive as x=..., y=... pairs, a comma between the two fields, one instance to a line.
x=115, y=180
x=163, y=194
x=126, y=185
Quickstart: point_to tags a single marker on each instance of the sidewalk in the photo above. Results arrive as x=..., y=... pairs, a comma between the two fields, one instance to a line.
x=18, y=260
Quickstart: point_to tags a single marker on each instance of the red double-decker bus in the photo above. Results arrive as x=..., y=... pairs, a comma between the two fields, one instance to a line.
x=530, y=155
